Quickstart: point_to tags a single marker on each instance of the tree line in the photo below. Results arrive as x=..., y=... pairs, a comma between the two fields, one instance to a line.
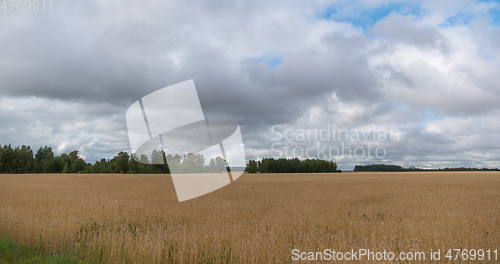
x=23, y=159
x=396, y=168
x=294, y=165
x=378, y=167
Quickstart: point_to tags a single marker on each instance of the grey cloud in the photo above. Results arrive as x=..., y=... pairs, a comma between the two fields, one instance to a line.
x=456, y=92
x=403, y=29
x=93, y=129
x=116, y=54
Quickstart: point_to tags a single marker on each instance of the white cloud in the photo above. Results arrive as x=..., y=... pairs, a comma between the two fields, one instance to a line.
x=92, y=129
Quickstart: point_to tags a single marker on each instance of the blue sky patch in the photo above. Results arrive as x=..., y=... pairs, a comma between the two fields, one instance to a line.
x=272, y=61
x=367, y=17
x=459, y=19
x=430, y=114
x=464, y=18
x=495, y=16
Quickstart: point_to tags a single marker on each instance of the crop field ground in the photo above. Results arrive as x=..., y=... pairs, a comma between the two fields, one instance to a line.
x=123, y=218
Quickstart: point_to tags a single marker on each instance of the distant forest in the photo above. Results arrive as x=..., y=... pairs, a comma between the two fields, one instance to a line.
x=384, y=167
x=24, y=160
x=295, y=165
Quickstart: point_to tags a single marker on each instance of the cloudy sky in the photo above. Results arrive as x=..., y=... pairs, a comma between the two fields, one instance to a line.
x=424, y=72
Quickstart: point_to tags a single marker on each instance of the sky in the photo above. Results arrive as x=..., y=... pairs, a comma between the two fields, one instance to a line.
x=420, y=77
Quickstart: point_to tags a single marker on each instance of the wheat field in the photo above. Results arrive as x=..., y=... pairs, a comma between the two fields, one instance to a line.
x=112, y=218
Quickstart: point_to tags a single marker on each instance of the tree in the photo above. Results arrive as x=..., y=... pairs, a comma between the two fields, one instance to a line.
x=133, y=165
x=252, y=166
x=7, y=159
x=121, y=162
x=44, y=160
x=76, y=163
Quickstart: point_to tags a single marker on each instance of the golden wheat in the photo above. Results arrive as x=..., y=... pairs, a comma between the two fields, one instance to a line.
x=258, y=219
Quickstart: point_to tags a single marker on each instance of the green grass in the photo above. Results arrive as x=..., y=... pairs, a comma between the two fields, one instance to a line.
x=12, y=253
